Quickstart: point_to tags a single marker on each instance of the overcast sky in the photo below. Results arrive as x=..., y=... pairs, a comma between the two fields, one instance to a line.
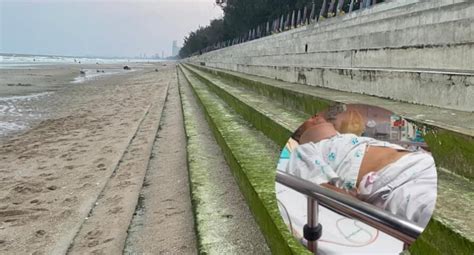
x=100, y=27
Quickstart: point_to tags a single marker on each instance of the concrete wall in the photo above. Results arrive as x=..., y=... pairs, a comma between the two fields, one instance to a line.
x=417, y=51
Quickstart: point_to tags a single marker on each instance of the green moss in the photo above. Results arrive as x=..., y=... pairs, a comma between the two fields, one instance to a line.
x=252, y=159
x=276, y=131
x=438, y=239
x=452, y=151
x=296, y=100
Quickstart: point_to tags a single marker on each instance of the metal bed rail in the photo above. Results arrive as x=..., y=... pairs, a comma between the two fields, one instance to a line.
x=397, y=227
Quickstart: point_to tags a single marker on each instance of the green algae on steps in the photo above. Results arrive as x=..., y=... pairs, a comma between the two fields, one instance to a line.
x=434, y=241
x=254, y=111
x=200, y=186
x=455, y=155
x=304, y=102
x=452, y=150
x=252, y=158
x=212, y=223
x=450, y=230
x=450, y=234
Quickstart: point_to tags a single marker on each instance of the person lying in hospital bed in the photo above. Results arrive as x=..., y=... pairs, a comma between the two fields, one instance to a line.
x=378, y=172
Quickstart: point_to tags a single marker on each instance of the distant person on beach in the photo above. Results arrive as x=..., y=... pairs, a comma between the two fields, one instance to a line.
x=378, y=172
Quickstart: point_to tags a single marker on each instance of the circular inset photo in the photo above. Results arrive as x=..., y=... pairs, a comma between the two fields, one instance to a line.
x=356, y=179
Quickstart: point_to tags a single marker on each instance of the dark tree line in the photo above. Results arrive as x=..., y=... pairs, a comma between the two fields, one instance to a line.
x=242, y=15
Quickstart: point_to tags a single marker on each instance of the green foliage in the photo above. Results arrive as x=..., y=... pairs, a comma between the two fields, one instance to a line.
x=203, y=37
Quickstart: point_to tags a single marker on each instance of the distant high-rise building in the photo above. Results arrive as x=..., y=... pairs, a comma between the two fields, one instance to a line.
x=175, y=49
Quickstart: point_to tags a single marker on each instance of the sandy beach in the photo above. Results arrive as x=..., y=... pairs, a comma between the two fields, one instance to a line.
x=53, y=170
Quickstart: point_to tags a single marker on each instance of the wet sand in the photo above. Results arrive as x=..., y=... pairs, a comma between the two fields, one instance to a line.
x=30, y=95
x=52, y=173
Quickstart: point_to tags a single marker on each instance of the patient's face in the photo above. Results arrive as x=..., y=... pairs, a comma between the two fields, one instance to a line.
x=313, y=121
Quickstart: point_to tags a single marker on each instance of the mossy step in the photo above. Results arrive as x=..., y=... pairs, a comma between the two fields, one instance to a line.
x=252, y=158
x=275, y=120
x=450, y=133
x=451, y=230
x=224, y=224
x=451, y=226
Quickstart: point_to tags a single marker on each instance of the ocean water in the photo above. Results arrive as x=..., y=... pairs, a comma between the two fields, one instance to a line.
x=17, y=112
x=30, y=61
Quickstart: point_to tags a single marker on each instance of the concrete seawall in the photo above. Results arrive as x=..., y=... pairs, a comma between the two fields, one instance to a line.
x=415, y=51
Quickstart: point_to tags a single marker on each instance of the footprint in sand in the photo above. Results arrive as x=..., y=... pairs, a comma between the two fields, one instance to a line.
x=93, y=234
x=24, y=188
x=35, y=201
x=108, y=240
x=101, y=167
x=52, y=178
x=70, y=200
x=24, y=157
x=93, y=243
x=52, y=187
x=107, y=149
x=40, y=233
x=85, y=177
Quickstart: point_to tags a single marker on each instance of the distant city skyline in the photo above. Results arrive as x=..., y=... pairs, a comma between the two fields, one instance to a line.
x=100, y=27
x=175, y=48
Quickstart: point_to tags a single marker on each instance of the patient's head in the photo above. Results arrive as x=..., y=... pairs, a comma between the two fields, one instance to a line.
x=344, y=119
x=317, y=129
x=349, y=121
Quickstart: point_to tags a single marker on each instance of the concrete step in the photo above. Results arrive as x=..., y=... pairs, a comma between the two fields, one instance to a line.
x=388, y=10
x=448, y=230
x=163, y=221
x=453, y=58
x=251, y=157
x=274, y=119
x=413, y=15
x=440, y=88
x=450, y=132
x=224, y=223
x=410, y=38
x=393, y=20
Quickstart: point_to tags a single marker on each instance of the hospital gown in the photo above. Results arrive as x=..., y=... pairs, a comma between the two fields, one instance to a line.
x=337, y=161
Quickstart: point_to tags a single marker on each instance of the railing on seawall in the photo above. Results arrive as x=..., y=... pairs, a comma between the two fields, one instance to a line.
x=296, y=18
x=399, y=228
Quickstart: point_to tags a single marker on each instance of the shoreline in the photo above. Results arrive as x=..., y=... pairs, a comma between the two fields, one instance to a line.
x=25, y=92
